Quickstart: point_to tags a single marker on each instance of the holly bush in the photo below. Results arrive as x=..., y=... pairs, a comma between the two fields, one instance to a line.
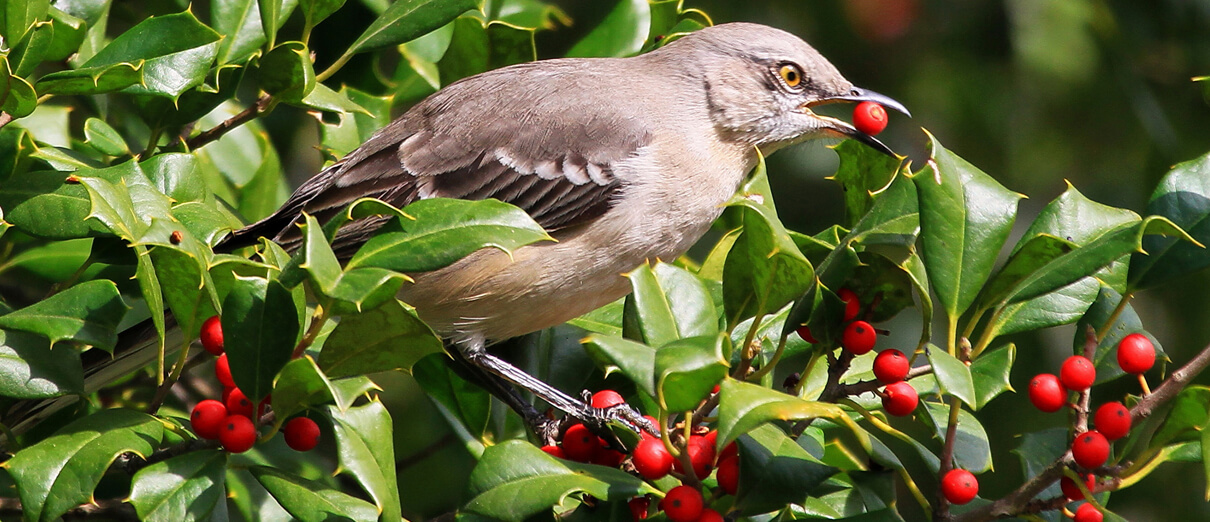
x=132, y=141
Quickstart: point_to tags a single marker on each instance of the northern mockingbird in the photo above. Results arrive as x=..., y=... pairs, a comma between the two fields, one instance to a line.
x=621, y=159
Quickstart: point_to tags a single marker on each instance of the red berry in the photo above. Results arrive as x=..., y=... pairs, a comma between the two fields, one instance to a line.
x=239, y=404
x=729, y=450
x=891, y=366
x=683, y=504
x=609, y=458
x=222, y=371
x=852, y=304
x=1136, y=354
x=1113, y=420
x=1072, y=491
x=711, y=438
x=606, y=399
x=709, y=515
x=728, y=475
x=701, y=455
x=1088, y=513
x=859, y=337
x=237, y=434
x=869, y=117
x=1047, y=393
x=805, y=332
x=212, y=335
x=1090, y=449
x=1077, y=373
x=638, y=507
x=959, y=486
x=302, y=434
x=651, y=459
x=207, y=418
x=900, y=399
x=580, y=444
x=554, y=451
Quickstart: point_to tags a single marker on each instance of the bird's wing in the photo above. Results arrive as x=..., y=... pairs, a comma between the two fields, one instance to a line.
x=472, y=141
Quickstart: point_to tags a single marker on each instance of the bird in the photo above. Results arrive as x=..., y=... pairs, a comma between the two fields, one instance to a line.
x=621, y=160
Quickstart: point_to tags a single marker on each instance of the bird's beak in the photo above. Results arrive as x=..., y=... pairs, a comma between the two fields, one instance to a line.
x=845, y=130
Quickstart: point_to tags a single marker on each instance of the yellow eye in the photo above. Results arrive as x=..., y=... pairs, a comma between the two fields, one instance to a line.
x=790, y=74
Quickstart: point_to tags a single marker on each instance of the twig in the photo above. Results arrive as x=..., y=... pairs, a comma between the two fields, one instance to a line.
x=262, y=106
x=1090, y=351
x=5, y=118
x=130, y=463
x=947, y=458
x=837, y=366
x=108, y=509
x=858, y=388
x=1171, y=387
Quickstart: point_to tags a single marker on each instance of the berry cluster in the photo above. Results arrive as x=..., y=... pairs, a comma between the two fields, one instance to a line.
x=1112, y=420
x=233, y=420
x=652, y=459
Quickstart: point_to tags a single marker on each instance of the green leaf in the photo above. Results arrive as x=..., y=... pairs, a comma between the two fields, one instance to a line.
x=325, y=99
x=990, y=373
x=444, y=231
x=21, y=100
x=69, y=33
x=972, y=451
x=515, y=480
x=953, y=376
x=390, y=337
x=965, y=217
x=476, y=47
x=1029, y=257
x=635, y=360
x=309, y=500
x=1128, y=322
x=743, y=407
x=687, y=369
x=668, y=303
x=270, y=18
x=185, y=487
x=315, y=11
x=19, y=17
x=406, y=20
x=621, y=33
x=1183, y=197
x=60, y=472
x=92, y=80
x=775, y=471
x=1038, y=450
x=87, y=313
x=104, y=138
x=300, y=385
x=149, y=287
x=25, y=57
x=1190, y=413
x=40, y=204
x=862, y=172
x=260, y=325
x=176, y=175
x=465, y=401
x=176, y=50
x=31, y=369
x=185, y=282
x=365, y=448
x=286, y=71
x=893, y=218
x=239, y=23
x=605, y=320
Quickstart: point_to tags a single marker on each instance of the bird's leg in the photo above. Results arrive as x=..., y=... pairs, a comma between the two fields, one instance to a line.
x=546, y=429
x=598, y=419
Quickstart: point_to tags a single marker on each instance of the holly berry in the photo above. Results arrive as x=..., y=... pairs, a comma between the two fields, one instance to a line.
x=651, y=459
x=222, y=371
x=638, y=507
x=1136, y=354
x=701, y=455
x=959, y=486
x=709, y=515
x=239, y=404
x=1047, y=393
x=237, y=434
x=554, y=451
x=606, y=399
x=1077, y=373
x=1072, y=491
x=852, y=304
x=683, y=504
x=728, y=474
x=869, y=117
x=729, y=450
x=1112, y=420
x=804, y=331
x=858, y=337
x=609, y=458
x=212, y=335
x=891, y=366
x=207, y=418
x=900, y=399
x=1090, y=449
x=1088, y=513
x=302, y=434
x=580, y=444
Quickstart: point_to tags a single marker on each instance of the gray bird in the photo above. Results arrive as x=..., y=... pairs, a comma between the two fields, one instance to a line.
x=622, y=160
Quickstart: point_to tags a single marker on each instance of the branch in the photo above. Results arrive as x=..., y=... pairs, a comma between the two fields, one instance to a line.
x=108, y=509
x=262, y=106
x=1171, y=387
x=858, y=388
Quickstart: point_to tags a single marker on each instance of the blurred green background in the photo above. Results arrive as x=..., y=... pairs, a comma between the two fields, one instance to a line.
x=1034, y=92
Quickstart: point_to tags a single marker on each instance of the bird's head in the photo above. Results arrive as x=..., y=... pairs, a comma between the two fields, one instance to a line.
x=763, y=84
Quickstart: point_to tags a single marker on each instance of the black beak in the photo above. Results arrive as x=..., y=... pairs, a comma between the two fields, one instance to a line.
x=859, y=95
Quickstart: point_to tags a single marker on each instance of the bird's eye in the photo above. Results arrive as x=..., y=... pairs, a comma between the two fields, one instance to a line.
x=790, y=74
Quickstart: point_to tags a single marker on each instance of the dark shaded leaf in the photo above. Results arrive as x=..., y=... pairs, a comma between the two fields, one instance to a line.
x=990, y=372
x=687, y=369
x=465, y=401
x=406, y=20
x=92, y=80
x=86, y=313
x=1128, y=322
x=286, y=71
x=260, y=324
x=30, y=369
x=621, y=33
x=1183, y=197
x=366, y=451
x=743, y=407
x=972, y=451
x=775, y=471
x=310, y=500
x=390, y=337
x=635, y=360
x=185, y=487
